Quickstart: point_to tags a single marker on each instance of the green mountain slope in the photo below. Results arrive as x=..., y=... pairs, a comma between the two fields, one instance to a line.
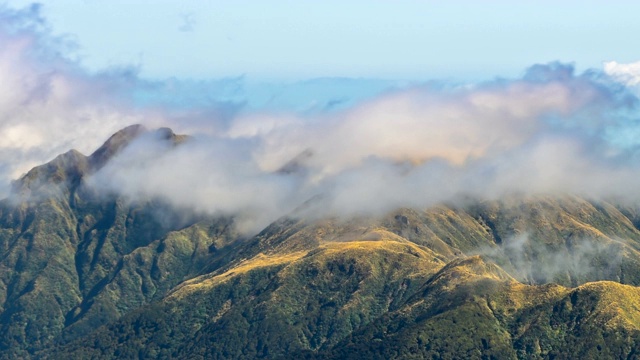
x=373, y=299
x=486, y=317
x=88, y=274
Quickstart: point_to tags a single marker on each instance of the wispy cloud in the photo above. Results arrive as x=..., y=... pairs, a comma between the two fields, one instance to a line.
x=546, y=133
x=579, y=260
x=550, y=131
x=50, y=104
x=628, y=74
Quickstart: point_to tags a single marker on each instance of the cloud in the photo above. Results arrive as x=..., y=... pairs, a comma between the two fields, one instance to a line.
x=628, y=74
x=546, y=133
x=48, y=104
x=551, y=131
x=577, y=261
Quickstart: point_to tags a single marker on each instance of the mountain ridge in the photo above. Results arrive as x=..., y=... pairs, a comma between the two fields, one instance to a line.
x=89, y=275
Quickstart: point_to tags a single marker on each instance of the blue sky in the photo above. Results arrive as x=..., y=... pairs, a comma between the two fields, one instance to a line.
x=281, y=40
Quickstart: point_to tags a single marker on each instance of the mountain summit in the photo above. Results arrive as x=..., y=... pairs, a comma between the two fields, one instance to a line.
x=115, y=144
x=91, y=275
x=71, y=167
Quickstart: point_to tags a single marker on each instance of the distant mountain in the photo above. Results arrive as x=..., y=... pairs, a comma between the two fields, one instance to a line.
x=88, y=274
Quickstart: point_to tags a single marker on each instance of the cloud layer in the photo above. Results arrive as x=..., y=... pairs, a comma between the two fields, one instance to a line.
x=551, y=131
x=48, y=104
x=628, y=74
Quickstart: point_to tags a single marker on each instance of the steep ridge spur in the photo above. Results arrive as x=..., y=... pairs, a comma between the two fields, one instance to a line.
x=375, y=288
x=356, y=290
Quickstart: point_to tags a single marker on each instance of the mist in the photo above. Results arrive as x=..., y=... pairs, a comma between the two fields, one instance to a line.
x=550, y=131
x=582, y=259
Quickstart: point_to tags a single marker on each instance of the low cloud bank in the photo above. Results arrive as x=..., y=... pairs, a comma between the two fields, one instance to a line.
x=552, y=131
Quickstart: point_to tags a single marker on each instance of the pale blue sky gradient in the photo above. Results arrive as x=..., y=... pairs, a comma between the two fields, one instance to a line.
x=294, y=40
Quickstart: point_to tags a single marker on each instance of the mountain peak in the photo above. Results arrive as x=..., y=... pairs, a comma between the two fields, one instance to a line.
x=166, y=133
x=68, y=167
x=72, y=166
x=114, y=144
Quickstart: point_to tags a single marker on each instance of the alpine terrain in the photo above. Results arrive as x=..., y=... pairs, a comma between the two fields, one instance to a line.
x=87, y=273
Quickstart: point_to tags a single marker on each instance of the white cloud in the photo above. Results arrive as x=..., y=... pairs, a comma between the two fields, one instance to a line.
x=548, y=132
x=541, y=134
x=47, y=103
x=628, y=74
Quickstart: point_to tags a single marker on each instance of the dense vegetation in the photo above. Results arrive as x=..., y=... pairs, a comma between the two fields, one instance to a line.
x=84, y=274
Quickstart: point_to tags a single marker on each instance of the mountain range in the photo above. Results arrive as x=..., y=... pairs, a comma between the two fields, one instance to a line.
x=91, y=274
